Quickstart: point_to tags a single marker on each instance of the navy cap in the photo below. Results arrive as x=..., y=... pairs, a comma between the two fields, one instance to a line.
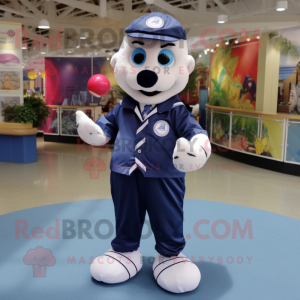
x=156, y=26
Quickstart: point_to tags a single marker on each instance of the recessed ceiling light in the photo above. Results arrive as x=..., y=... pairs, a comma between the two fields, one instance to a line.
x=281, y=5
x=227, y=42
x=217, y=45
x=43, y=52
x=236, y=41
x=248, y=39
x=258, y=37
x=222, y=19
x=83, y=35
x=212, y=50
x=199, y=55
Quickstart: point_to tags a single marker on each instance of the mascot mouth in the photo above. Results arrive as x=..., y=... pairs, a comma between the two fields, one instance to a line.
x=149, y=94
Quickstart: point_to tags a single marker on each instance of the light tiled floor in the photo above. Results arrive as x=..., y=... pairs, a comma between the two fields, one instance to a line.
x=59, y=176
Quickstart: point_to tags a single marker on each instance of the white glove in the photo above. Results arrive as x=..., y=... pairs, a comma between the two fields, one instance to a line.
x=191, y=155
x=90, y=132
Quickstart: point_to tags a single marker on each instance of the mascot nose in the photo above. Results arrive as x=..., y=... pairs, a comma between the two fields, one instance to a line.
x=147, y=78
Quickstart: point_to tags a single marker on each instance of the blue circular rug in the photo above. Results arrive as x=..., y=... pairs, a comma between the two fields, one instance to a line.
x=242, y=253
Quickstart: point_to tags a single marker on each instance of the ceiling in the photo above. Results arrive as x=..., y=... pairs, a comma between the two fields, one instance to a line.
x=113, y=16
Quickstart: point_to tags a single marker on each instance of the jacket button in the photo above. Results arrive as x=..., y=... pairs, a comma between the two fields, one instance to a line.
x=139, y=151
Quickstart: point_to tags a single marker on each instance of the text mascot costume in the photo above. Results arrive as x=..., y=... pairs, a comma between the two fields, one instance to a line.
x=157, y=141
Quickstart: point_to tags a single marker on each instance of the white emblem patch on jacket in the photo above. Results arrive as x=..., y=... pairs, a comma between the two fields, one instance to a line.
x=161, y=128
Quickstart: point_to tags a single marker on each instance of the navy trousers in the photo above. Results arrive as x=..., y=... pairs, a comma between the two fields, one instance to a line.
x=162, y=198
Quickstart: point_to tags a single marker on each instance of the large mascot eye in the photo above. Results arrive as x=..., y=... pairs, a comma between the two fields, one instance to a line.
x=165, y=57
x=138, y=56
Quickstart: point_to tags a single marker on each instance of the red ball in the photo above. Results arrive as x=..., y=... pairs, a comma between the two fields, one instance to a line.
x=98, y=85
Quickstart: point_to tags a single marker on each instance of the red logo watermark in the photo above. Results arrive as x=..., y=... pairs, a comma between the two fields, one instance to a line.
x=39, y=258
x=94, y=165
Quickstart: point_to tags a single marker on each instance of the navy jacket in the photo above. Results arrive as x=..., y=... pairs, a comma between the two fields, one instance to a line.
x=148, y=144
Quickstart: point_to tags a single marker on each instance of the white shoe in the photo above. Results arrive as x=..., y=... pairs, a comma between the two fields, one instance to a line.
x=176, y=274
x=115, y=267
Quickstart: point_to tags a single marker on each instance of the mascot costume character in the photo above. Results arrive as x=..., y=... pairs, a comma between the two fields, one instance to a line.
x=157, y=142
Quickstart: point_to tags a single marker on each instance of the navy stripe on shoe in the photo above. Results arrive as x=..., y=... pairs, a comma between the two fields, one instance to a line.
x=204, y=151
x=167, y=268
x=119, y=262
x=163, y=262
x=127, y=258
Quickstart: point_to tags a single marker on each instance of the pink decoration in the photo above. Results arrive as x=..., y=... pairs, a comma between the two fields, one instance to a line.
x=8, y=58
x=98, y=85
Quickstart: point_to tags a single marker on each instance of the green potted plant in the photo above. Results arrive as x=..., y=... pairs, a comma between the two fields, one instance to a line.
x=16, y=132
x=34, y=111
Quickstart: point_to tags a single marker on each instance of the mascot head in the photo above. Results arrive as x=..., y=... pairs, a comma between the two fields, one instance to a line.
x=153, y=64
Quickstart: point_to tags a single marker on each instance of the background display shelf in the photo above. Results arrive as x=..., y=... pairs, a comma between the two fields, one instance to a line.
x=274, y=137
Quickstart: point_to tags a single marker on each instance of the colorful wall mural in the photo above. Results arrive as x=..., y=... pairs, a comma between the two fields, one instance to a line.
x=66, y=80
x=66, y=84
x=67, y=77
x=198, y=79
x=294, y=90
x=233, y=76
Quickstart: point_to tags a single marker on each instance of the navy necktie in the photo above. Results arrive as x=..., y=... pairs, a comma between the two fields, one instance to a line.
x=146, y=110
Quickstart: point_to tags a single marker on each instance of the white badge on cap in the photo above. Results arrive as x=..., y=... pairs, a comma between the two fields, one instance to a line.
x=155, y=22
